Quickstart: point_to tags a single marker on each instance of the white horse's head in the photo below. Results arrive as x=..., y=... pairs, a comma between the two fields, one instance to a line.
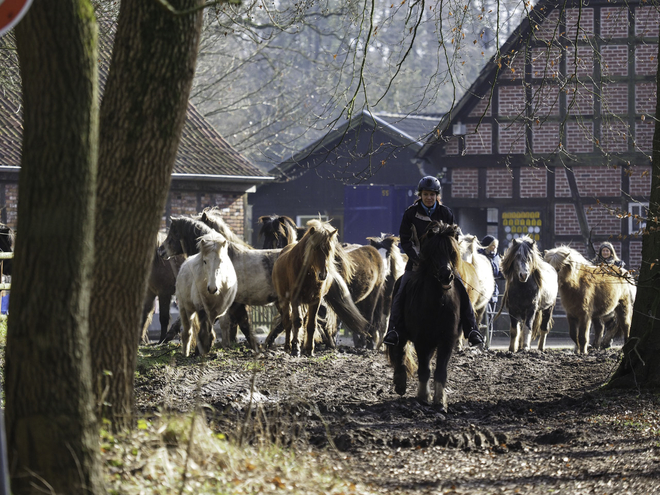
x=213, y=251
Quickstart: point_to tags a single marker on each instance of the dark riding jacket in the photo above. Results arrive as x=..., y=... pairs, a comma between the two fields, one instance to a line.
x=414, y=224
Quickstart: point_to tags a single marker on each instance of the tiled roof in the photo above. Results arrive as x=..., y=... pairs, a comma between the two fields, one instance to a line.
x=202, y=150
x=418, y=127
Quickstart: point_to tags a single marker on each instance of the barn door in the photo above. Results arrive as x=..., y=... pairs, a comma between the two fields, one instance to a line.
x=370, y=210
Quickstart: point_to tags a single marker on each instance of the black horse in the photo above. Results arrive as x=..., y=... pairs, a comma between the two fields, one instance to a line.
x=6, y=246
x=431, y=315
x=278, y=231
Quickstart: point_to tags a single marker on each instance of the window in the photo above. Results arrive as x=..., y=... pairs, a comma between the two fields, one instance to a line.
x=637, y=219
x=492, y=222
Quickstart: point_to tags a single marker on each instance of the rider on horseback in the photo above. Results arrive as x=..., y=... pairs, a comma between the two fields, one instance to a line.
x=416, y=220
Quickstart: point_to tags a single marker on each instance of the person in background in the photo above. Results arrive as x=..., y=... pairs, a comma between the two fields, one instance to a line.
x=489, y=250
x=416, y=219
x=606, y=255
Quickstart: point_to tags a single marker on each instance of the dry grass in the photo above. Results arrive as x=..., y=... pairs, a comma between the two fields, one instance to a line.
x=180, y=454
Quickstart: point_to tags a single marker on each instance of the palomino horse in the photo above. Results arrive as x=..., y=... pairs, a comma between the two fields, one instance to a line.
x=161, y=283
x=205, y=288
x=278, y=231
x=253, y=270
x=590, y=292
x=530, y=293
x=303, y=274
x=432, y=315
x=481, y=283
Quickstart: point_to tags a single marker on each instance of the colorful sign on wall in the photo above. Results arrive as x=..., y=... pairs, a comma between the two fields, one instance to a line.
x=518, y=223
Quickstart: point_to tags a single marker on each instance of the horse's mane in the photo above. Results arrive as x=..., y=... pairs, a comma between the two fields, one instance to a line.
x=522, y=246
x=189, y=230
x=213, y=218
x=7, y=238
x=280, y=226
x=563, y=255
x=212, y=241
x=317, y=234
x=440, y=236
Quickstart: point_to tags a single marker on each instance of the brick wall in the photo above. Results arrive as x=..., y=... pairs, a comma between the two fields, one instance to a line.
x=640, y=182
x=451, y=148
x=584, y=65
x=579, y=137
x=646, y=22
x=614, y=22
x=614, y=60
x=585, y=29
x=512, y=137
x=511, y=101
x=593, y=181
x=645, y=98
x=499, y=183
x=545, y=137
x=533, y=182
x=646, y=59
x=566, y=221
x=11, y=204
x=465, y=183
x=580, y=99
x=479, y=142
x=545, y=62
x=614, y=99
x=545, y=100
x=231, y=205
x=602, y=221
x=635, y=255
x=614, y=135
x=483, y=108
x=513, y=66
x=549, y=30
x=644, y=135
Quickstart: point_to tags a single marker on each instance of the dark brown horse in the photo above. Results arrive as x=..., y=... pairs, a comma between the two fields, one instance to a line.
x=6, y=246
x=161, y=284
x=432, y=314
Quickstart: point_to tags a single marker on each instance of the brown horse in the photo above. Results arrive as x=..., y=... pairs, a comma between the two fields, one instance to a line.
x=303, y=274
x=161, y=283
x=590, y=292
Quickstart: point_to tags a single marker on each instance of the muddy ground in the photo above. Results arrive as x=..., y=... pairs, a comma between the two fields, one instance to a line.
x=529, y=422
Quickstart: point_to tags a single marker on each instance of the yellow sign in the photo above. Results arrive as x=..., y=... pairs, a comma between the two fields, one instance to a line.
x=519, y=223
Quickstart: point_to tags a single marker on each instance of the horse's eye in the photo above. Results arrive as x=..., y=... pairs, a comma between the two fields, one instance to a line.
x=204, y=262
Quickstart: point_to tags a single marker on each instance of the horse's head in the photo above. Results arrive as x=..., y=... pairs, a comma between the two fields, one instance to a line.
x=521, y=259
x=277, y=231
x=182, y=237
x=213, y=251
x=469, y=246
x=440, y=253
x=559, y=257
x=320, y=247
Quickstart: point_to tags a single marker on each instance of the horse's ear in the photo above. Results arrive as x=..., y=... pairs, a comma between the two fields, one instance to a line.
x=335, y=233
x=204, y=216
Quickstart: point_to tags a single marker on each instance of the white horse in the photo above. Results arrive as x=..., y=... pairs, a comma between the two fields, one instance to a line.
x=485, y=286
x=205, y=288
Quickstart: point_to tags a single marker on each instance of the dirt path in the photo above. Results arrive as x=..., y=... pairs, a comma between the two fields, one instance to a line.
x=532, y=422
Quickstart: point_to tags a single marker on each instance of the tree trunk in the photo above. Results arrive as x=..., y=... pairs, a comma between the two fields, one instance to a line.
x=52, y=435
x=640, y=366
x=142, y=116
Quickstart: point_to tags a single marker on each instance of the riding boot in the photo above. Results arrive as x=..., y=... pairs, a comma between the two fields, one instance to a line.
x=469, y=322
x=396, y=327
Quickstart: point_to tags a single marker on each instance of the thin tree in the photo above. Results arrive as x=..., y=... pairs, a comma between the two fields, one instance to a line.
x=52, y=437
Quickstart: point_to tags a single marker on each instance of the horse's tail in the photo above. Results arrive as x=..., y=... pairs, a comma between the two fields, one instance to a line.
x=409, y=358
x=340, y=301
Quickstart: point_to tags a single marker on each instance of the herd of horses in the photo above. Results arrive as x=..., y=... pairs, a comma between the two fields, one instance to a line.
x=314, y=280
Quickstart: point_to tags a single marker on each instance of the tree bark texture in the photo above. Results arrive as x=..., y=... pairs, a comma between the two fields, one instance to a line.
x=142, y=116
x=640, y=366
x=52, y=435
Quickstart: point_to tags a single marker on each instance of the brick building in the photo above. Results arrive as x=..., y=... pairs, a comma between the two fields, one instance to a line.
x=554, y=138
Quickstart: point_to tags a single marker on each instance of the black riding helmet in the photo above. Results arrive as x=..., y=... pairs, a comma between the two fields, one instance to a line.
x=429, y=183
